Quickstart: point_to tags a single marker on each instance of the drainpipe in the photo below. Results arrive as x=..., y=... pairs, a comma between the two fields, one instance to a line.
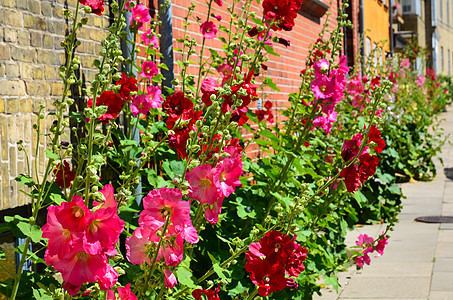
x=166, y=43
x=126, y=49
x=361, y=35
x=391, y=27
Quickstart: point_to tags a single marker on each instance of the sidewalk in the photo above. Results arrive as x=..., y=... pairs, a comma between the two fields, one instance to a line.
x=418, y=261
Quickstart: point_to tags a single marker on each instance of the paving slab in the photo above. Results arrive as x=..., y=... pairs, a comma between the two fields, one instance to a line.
x=445, y=236
x=444, y=250
x=443, y=264
x=442, y=281
x=393, y=288
x=436, y=295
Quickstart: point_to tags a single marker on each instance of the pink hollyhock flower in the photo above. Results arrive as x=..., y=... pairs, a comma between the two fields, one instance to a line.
x=155, y=96
x=227, y=174
x=420, y=81
x=219, y=2
x=149, y=39
x=226, y=70
x=405, y=63
x=173, y=248
x=159, y=204
x=140, y=105
x=381, y=245
x=78, y=267
x=364, y=241
x=136, y=246
x=104, y=227
x=321, y=67
x=212, y=213
x=326, y=122
x=109, y=279
x=203, y=188
x=169, y=279
x=208, y=88
x=190, y=234
x=73, y=215
x=149, y=69
x=124, y=293
x=323, y=87
x=140, y=14
x=218, y=17
x=109, y=195
x=208, y=29
x=60, y=239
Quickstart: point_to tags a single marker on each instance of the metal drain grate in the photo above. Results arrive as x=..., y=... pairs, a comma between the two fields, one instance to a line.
x=435, y=219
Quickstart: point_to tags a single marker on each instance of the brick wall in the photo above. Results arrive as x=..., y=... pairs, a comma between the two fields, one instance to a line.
x=283, y=70
x=30, y=55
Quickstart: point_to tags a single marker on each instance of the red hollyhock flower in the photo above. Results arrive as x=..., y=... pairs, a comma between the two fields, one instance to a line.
x=128, y=85
x=375, y=136
x=271, y=258
x=266, y=276
x=64, y=176
x=367, y=166
x=260, y=114
x=351, y=147
x=351, y=178
x=113, y=102
x=295, y=264
x=282, y=11
x=176, y=104
x=97, y=6
x=210, y=294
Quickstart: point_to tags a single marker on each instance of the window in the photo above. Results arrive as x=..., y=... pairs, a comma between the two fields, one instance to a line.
x=440, y=9
x=448, y=12
x=442, y=59
x=448, y=62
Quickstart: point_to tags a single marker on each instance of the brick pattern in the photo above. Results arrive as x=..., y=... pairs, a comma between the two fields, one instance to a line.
x=30, y=56
x=283, y=70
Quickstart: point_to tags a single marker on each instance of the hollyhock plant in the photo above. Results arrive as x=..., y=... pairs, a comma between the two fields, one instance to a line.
x=163, y=203
x=282, y=12
x=124, y=293
x=148, y=38
x=271, y=258
x=210, y=294
x=113, y=102
x=64, y=176
x=141, y=15
x=155, y=96
x=208, y=29
x=141, y=105
x=203, y=188
x=128, y=85
x=149, y=69
x=375, y=136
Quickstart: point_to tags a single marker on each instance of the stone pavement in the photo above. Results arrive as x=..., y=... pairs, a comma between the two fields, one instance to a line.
x=418, y=261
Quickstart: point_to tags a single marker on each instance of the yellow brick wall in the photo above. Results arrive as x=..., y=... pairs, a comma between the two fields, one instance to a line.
x=30, y=55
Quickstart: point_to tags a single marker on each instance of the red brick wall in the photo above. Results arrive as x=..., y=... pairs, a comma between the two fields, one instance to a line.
x=283, y=70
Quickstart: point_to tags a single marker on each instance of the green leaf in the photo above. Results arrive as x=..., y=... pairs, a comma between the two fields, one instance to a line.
x=270, y=50
x=51, y=155
x=268, y=81
x=25, y=180
x=267, y=133
x=361, y=199
x=57, y=198
x=177, y=167
x=222, y=273
x=34, y=231
x=184, y=274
